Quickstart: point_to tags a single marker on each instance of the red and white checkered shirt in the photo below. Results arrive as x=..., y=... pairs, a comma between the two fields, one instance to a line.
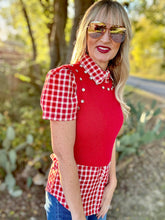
x=59, y=98
x=59, y=102
x=92, y=182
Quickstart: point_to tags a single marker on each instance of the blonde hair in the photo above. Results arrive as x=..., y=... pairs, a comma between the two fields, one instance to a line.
x=119, y=66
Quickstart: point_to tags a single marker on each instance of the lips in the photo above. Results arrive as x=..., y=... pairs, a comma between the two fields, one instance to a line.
x=103, y=49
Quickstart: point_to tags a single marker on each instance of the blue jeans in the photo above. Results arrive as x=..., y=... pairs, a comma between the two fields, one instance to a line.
x=56, y=211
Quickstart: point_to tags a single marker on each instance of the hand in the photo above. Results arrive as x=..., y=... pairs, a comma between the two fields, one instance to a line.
x=106, y=200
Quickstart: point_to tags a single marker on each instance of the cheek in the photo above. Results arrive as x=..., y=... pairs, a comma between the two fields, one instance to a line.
x=116, y=47
x=89, y=44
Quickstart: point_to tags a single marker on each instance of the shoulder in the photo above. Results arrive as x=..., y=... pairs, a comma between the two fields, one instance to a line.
x=59, y=95
x=62, y=71
x=61, y=75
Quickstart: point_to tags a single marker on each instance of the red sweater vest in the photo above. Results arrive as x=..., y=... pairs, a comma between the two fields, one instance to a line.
x=99, y=119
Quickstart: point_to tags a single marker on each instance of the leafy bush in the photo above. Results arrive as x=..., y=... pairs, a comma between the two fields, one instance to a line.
x=16, y=146
x=141, y=128
x=8, y=160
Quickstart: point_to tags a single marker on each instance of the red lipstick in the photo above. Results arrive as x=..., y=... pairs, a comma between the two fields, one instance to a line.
x=103, y=49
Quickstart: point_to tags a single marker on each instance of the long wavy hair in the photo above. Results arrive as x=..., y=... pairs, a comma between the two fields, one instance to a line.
x=110, y=12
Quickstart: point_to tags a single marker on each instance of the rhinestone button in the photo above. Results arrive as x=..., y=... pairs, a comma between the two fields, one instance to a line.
x=90, y=77
x=80, y=78
x=108, y=89
x=83, y=89
x=82, y=101
x=103, y=87
x=85, y=71
x=80, y=65
x=76, y=70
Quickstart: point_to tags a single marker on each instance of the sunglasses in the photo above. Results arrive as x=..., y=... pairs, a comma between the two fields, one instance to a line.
x=97, y=29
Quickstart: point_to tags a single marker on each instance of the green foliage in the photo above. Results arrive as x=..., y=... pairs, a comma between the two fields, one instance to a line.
x=21, y=142
x=150, y=49
x=8, y=160
x=147, y=18
x=31, y=119
x=139, y=130
x=38, y=22
x=148, y=42
x=21, y=115
x=68, y=29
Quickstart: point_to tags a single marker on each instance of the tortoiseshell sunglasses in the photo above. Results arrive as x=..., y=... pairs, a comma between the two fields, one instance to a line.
x=97, y=29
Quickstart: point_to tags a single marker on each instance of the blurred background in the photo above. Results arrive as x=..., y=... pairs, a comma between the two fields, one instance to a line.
x=38, y=35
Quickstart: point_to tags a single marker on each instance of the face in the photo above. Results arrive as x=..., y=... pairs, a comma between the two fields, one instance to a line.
x=102, y=49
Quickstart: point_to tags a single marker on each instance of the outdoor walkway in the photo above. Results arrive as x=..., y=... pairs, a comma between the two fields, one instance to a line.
x=140, y=194
x=153, y=86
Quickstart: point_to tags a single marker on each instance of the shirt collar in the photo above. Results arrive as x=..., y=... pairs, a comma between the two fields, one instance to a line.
x=94, y=71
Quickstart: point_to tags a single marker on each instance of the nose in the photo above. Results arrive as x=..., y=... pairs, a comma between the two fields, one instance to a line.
x=106, y=37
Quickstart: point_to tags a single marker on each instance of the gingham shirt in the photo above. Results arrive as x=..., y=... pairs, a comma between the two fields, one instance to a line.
x=59, y=102
x=59, y=98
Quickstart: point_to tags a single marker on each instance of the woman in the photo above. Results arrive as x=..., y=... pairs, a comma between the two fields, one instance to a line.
x=84, y=103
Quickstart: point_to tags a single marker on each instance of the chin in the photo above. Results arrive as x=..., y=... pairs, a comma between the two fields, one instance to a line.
x=102, y=61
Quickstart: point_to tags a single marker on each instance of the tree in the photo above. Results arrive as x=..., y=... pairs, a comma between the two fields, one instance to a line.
x=59, y=51
x=57, y=40
x=148, y=42
x=80, y=8
x=147, y=45
x=54, y=15
x=34, y=47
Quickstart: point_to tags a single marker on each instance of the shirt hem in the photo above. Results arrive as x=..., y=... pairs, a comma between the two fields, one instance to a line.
x=86, y=213
x=55, y=119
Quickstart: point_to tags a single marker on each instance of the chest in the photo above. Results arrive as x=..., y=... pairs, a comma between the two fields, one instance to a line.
x=97, y=104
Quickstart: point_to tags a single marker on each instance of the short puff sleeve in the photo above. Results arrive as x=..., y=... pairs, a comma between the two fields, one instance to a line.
x=59, y=95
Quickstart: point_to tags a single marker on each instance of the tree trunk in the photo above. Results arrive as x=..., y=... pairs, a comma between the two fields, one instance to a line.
x=34, y=68
x=57, y=41
x=80, y=7
x=49, y=12
x=34, y=48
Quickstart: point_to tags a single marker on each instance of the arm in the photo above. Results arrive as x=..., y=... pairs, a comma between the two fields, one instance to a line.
x=110, y=187
x=63, y=138
x=112, y=172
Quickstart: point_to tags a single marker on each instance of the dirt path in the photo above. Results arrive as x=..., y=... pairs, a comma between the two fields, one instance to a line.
x=29, y=206
x=140, y=194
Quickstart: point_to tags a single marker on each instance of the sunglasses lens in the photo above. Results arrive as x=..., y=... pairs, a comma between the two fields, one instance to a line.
x=118, y=34
x=118, y=38
x=96, y=29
